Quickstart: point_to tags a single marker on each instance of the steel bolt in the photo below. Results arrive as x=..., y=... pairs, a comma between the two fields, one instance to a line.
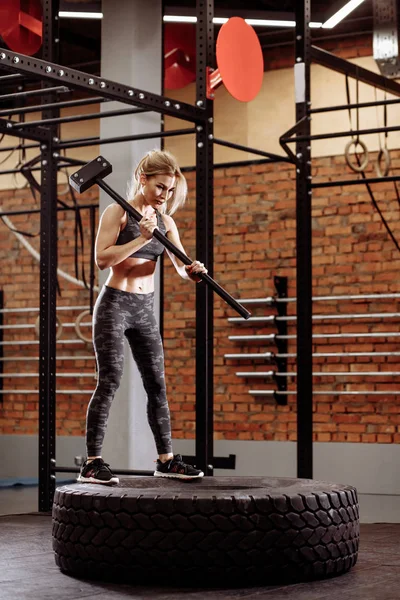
x=199, y=128
x=211, y=120
x=104, y=164
x=177, y=106
x=61, y=72
x=15, y=59
x=48, y=69
x=99, y=159
x=76, y=175
x=211, y=137
x=2, y=55
x=91, y=81
x=130, y=92
x=167, y=103
x=44, y=163
x=81, y=180
x=9, y=125
x=103, y=84
x=55, y=155
x=299, y=155
x=200, y=145
x=199, y=103
x=299, y=59
x=43, y=147
x=56, y=140
x=141, y=96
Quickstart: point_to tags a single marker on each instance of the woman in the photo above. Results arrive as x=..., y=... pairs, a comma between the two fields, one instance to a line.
x=125, y=307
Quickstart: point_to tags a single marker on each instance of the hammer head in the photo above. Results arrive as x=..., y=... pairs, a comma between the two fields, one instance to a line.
x=83, y=179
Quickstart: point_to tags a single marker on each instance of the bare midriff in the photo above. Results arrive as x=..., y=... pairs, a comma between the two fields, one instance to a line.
x=135, y=275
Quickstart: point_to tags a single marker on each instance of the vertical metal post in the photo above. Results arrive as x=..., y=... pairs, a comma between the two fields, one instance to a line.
x=48, y=281
x=204, y=242
x=304, y=245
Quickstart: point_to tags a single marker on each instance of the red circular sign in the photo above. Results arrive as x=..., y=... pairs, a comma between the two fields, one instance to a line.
x=21, y=29
x=240, y=59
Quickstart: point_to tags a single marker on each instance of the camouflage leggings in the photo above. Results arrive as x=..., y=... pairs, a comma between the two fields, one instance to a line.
x=117, y=313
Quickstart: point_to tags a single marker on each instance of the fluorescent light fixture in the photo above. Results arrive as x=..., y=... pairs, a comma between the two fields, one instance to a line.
x=255, y=22
x=173, y=19
x=70, y=14
x=342, y=14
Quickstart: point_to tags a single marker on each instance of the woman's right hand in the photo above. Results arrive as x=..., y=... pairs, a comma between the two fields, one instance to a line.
x=147, y=226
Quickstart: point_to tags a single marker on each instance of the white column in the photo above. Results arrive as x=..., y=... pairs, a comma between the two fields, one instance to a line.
x=131, y=54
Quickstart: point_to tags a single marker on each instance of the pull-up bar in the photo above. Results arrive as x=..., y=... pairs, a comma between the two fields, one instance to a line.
x=94, y=172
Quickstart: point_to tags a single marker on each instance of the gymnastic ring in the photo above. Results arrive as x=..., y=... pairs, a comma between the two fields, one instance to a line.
x=59, y=328
x=383, y=152
x=356, y=168
x=78, y=331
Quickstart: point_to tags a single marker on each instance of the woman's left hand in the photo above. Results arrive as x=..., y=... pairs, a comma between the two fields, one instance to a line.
x=193, y=269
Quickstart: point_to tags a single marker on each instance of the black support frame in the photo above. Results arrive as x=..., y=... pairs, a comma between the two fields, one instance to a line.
x=204, y=240
x=303, y=244
x=305, y=53
x=48, y=279
x=202, y=116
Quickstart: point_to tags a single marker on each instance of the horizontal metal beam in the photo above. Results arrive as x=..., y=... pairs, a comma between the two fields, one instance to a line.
x=325, y=109
x=340, y=65
x=393, y=296
x=320, y=336
x=13, y=77
x=79, y=80
x=274, y=374
x=273, y=318
x=69, y=392
x=273, y=157
x=275, y=393
x=84, y=117
x=272, y=356
x=39, y=92
x=80, y=143
x=31, y=133
x=7, y=112
x=338, y=134
x=346, y=182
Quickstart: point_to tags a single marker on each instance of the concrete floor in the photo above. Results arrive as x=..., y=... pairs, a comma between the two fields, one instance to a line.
x=28, y=570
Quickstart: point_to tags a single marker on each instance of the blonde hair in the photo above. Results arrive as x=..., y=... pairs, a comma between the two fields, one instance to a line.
x=160, y=162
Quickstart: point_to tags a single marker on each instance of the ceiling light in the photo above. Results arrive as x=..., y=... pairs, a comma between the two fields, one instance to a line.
x=173, y=19
x=222, y=20
x=342, y=14
x=70, y=14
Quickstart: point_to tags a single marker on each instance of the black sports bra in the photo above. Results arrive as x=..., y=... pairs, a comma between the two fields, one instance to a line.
x=131, y=231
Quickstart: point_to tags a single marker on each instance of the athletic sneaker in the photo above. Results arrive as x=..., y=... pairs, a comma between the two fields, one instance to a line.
x=97, y=471
x=175, y=468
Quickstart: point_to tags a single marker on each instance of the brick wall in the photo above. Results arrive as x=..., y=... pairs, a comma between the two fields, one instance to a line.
x=254, y=240
x=19, y=281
